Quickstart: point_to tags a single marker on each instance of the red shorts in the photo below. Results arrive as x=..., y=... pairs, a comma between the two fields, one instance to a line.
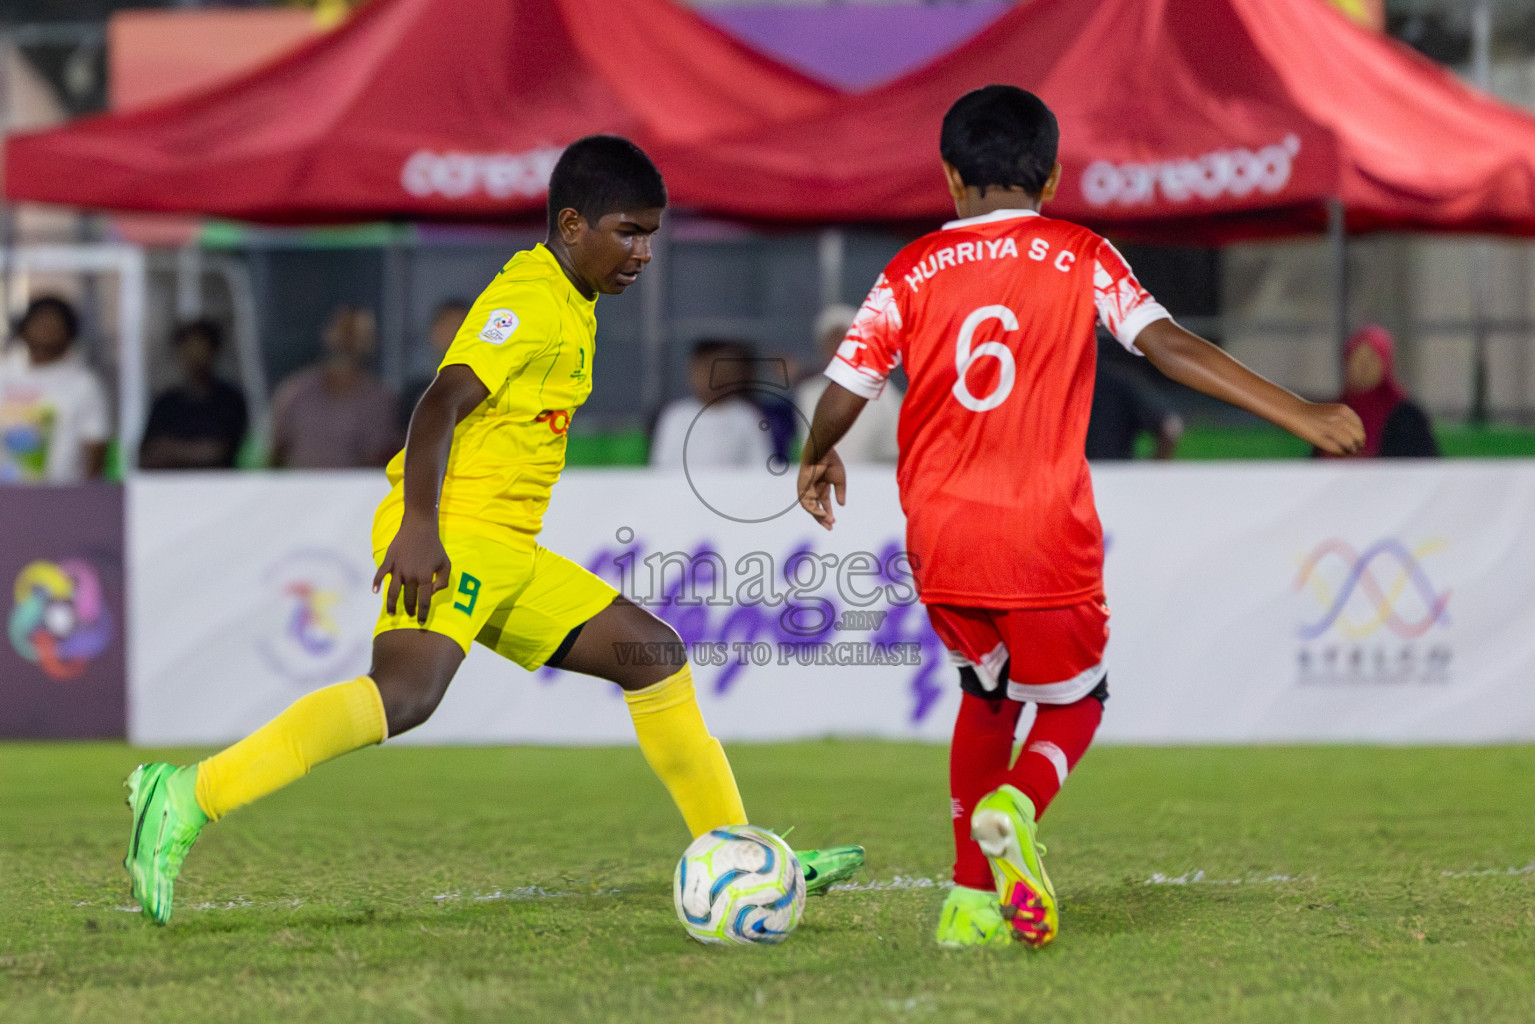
x=1056, y=654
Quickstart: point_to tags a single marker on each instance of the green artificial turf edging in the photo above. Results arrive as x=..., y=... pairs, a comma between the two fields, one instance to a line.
x=615, y=448
x=1456, y=440
x=415, y=884
x=1199, y=443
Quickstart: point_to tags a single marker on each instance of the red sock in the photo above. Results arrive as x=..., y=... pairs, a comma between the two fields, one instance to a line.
x=1059, y=738
x=978, y=760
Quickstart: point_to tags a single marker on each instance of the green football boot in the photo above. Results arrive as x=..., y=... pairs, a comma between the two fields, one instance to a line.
x=166, y=821
x=825, y=868
x=972, y=917
x=1003, y=824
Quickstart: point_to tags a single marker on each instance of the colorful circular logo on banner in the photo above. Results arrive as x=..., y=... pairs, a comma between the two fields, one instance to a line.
x=311, y=626
x=311, y=618
x=60, y=620
x=1383, y=586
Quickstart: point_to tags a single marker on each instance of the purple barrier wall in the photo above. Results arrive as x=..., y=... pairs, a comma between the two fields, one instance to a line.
x=62, y=673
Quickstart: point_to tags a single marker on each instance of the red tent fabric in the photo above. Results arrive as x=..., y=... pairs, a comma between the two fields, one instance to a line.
x=418, y=109
x=1187, y=120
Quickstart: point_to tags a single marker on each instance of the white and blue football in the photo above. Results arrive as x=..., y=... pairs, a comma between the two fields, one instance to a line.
x=739, y=884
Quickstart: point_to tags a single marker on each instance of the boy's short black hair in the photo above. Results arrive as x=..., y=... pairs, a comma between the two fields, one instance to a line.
x=722, y=348
x=1003, y=136
x=603, y=174
x=204, y=328
x=732, y=362
x=65, y=312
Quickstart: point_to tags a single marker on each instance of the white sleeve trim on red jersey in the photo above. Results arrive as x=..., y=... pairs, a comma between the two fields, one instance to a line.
x=1124, y=306
x=1144, y=316
x=860, y=382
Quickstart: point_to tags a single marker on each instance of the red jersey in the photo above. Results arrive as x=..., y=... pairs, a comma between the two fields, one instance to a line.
x=993, y=318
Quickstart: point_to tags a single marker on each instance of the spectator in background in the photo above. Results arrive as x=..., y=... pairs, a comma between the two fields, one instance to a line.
x=54, y=418
x=726, y=428
x=337, y=414
x=1125, y=406
x=200, y=423
x=771, y=394
x=446, y=321
x=872, y=437
x=1394, y=425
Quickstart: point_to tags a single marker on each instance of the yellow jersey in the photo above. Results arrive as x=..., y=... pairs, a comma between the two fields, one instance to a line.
x=529, y=337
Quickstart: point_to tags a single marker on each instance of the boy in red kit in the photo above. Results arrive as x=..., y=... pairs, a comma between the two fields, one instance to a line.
x=993, y=317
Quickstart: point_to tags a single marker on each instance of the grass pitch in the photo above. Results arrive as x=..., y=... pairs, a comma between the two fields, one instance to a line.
x=409, y=884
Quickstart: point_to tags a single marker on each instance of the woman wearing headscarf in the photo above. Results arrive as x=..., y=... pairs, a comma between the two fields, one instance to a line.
x=1394, y=425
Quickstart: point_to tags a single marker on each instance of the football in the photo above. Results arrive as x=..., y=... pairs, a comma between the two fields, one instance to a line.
x=739, y=884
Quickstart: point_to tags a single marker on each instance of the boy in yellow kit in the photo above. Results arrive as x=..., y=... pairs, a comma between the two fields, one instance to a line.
x=486, y=444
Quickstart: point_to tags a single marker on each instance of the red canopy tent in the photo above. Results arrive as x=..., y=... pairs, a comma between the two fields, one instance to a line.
x=1181, y=120
x=418, y=109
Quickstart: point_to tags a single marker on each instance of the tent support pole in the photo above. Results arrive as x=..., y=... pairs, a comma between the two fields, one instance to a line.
x=1481, y=253
x=189, y=281
x=132, y=365
x=1337, y=237
x=1481, y=258
x=8, y=300
x=831, y=250
x=10, y=297
x=394, y=317
x=653, y=332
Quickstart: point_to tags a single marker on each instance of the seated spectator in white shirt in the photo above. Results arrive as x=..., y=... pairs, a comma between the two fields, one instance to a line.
x=716, y=426
x=872, y=436
x=54, y=418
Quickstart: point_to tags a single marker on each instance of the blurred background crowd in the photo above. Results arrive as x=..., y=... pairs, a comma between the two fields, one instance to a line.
x=308, y=347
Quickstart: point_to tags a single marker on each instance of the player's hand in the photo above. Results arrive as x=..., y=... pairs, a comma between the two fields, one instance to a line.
x=817, y=481
x=1333, y=427
x=417, y=566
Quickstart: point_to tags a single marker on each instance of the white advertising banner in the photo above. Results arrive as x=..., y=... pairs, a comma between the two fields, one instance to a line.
x=1385, y=603
x=1268, y=603
x=245, y=591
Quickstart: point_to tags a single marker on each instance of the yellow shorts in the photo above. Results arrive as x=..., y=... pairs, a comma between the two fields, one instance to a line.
x=521, y=601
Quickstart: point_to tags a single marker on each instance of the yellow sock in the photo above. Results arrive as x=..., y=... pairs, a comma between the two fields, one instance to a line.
x=690, y=762
x=313, y=729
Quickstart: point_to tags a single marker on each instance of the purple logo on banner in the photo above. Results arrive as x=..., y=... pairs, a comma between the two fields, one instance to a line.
x=60, y=619
x=1401, y=583
x=777, y=611
x=307, y=641
x=62, y=669
x=1379, y=618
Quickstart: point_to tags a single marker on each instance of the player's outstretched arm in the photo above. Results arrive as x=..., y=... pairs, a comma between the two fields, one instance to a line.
x=416, y=563
x=820, y=468
x=1189, y=359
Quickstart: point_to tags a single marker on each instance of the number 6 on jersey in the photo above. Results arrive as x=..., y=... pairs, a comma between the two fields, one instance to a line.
x=966, y=357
